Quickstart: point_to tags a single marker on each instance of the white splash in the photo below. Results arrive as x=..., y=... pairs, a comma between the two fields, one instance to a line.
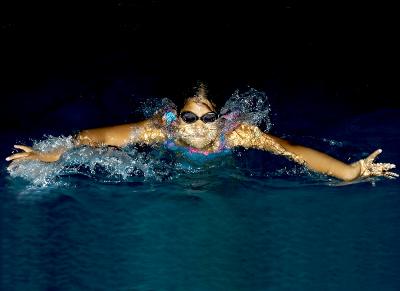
x=251, y=107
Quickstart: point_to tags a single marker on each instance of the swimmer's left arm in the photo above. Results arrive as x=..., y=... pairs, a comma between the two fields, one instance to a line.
x=250, y=136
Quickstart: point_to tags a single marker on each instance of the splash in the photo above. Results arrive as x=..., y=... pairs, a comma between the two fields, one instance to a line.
x=52, y=142
x=105, y=164
x=251, y=107
x=149, y=107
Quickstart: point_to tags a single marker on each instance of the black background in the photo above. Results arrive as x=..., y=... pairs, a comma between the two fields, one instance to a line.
x=75, y=64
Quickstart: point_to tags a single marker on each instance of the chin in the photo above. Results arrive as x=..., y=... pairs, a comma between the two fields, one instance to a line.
x=199, y=144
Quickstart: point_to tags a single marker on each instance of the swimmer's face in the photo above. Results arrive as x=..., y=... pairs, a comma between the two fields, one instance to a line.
x=198, y=134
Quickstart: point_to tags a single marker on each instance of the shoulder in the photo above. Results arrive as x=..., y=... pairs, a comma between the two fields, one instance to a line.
x=149, y=131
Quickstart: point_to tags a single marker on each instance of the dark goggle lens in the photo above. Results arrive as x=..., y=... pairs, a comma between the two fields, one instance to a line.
x=189, y=117
x=209, y=117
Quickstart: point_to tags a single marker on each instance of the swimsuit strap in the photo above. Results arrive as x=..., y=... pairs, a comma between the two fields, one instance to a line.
x=222, y=142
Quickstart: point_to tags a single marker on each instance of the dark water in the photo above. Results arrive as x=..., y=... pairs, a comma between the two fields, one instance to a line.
x=240, y=225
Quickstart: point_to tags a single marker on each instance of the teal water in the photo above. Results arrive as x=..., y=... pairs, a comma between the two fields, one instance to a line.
x=239, y=224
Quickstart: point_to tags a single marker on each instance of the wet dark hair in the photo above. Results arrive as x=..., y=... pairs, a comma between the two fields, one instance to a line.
x=199, y=93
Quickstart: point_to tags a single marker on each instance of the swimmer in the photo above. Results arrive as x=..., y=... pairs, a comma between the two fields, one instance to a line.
x=199, y=130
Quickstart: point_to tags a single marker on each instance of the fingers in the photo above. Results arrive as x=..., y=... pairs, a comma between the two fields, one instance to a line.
x=27, y=150
x=373, y=156
x=383, y=166
x=389, y=166
x=382, y=169
x=391, y=175
x=24, y=148
x=17, y=156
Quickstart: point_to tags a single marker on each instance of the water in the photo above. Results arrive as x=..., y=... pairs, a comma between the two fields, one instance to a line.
x=137, y=219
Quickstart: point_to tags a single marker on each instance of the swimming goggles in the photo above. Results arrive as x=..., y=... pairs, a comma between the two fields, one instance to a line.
x=190, y=117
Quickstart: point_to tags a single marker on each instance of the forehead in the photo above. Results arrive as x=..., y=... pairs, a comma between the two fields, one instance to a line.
x=197, y=107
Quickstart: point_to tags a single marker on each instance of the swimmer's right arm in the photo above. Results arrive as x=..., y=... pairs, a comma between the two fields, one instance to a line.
x=144, y=132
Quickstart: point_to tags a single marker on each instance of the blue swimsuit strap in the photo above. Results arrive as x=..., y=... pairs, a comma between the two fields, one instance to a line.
x=222, y=142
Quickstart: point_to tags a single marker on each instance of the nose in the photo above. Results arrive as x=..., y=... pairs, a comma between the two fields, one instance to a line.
x=199, y=124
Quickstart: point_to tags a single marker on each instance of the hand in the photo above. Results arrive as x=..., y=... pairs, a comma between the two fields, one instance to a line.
x=27, y=154
x=30, y=154
x=369, y=168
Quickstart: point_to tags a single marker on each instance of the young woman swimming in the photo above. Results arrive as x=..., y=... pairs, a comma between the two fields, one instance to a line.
x=199, y=131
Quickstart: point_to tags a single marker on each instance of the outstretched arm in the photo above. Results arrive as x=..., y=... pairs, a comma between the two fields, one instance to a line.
x=250, y=136
x=146, y=132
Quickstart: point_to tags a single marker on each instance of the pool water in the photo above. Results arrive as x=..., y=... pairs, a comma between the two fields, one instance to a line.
x=248, y=222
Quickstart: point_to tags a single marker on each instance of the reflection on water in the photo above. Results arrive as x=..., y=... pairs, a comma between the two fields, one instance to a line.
x=210, y=231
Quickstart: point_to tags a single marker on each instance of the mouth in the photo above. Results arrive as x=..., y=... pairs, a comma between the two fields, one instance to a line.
x=199, y=135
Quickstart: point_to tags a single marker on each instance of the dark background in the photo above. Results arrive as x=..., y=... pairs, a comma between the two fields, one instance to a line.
x=68, y=65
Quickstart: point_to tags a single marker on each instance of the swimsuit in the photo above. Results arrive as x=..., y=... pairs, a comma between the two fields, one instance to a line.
x=197, y=154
